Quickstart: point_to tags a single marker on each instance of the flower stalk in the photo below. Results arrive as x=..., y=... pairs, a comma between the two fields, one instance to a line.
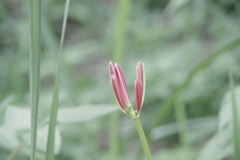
x=143, y=139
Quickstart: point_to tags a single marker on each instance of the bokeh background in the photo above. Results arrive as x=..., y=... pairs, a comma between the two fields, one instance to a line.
x=187, y=46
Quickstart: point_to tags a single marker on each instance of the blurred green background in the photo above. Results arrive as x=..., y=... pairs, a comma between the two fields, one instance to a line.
x=171, y=37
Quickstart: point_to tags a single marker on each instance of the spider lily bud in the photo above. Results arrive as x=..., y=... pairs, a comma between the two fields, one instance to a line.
x=139, y=86
x=119, y=86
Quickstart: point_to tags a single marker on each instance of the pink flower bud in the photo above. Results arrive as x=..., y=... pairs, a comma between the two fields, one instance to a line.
x=139, y=86
x=119, y=85
x=120, y=89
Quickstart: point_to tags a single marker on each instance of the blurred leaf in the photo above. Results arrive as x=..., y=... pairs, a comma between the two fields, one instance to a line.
x=198, y=128
x=225, y=113
x=176, y=153
x=8, y=137
x=5, y=102
x=174, y=5
x=42, y=139
x=221, y=145
x=83, y=114
x=218, y=147
x=18, y=118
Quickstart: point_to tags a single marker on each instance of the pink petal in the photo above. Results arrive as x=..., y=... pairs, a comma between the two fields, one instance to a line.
x=141, y=79
x=139, y=71
x=117, y=94
x=111, y=68
x=138, y=95
x=122, y=82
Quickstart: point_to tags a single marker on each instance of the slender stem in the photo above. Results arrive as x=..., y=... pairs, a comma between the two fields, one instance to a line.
x=35, y=50
x=143, y=139
x=55, y=100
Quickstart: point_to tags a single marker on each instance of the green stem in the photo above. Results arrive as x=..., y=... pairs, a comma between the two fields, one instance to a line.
x=55, y=100
x=143, y=139
x=35, y=51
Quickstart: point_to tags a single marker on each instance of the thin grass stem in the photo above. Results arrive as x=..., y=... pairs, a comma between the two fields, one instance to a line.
x=35, y=50
x=55, y=101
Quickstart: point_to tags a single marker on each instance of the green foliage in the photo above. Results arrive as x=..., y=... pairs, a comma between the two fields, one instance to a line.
x=171, y=37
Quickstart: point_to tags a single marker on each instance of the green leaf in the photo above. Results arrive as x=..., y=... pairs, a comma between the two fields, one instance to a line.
x=225, y=114
x=180, y=153
x=221, y=145
x=17, y=118
x=8, y=137
x=83, y=114
x=218, y=147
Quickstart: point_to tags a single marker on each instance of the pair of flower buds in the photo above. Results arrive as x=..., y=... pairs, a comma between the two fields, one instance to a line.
x=119, y=86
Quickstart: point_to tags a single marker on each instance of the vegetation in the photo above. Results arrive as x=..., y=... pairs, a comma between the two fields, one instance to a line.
x=190, y=49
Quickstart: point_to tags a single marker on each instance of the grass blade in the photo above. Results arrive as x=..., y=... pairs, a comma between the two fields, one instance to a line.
x=236, y=128
x=35, y=49
x=53, y=114
x=163, y=112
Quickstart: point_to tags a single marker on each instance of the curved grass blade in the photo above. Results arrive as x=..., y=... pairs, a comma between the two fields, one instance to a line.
x=235, y=118
x=163, y=112
x=35, y=49
x=54, y=109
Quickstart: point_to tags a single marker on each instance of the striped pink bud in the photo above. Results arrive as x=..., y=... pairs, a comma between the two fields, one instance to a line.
x=119, y=85
x=139, y=86
x=120, y=89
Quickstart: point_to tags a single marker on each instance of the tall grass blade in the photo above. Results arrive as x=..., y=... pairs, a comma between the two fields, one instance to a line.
x=120, y=34
x=163, y=112
x=235, y=118
x=55, y=102
x=35, y=49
